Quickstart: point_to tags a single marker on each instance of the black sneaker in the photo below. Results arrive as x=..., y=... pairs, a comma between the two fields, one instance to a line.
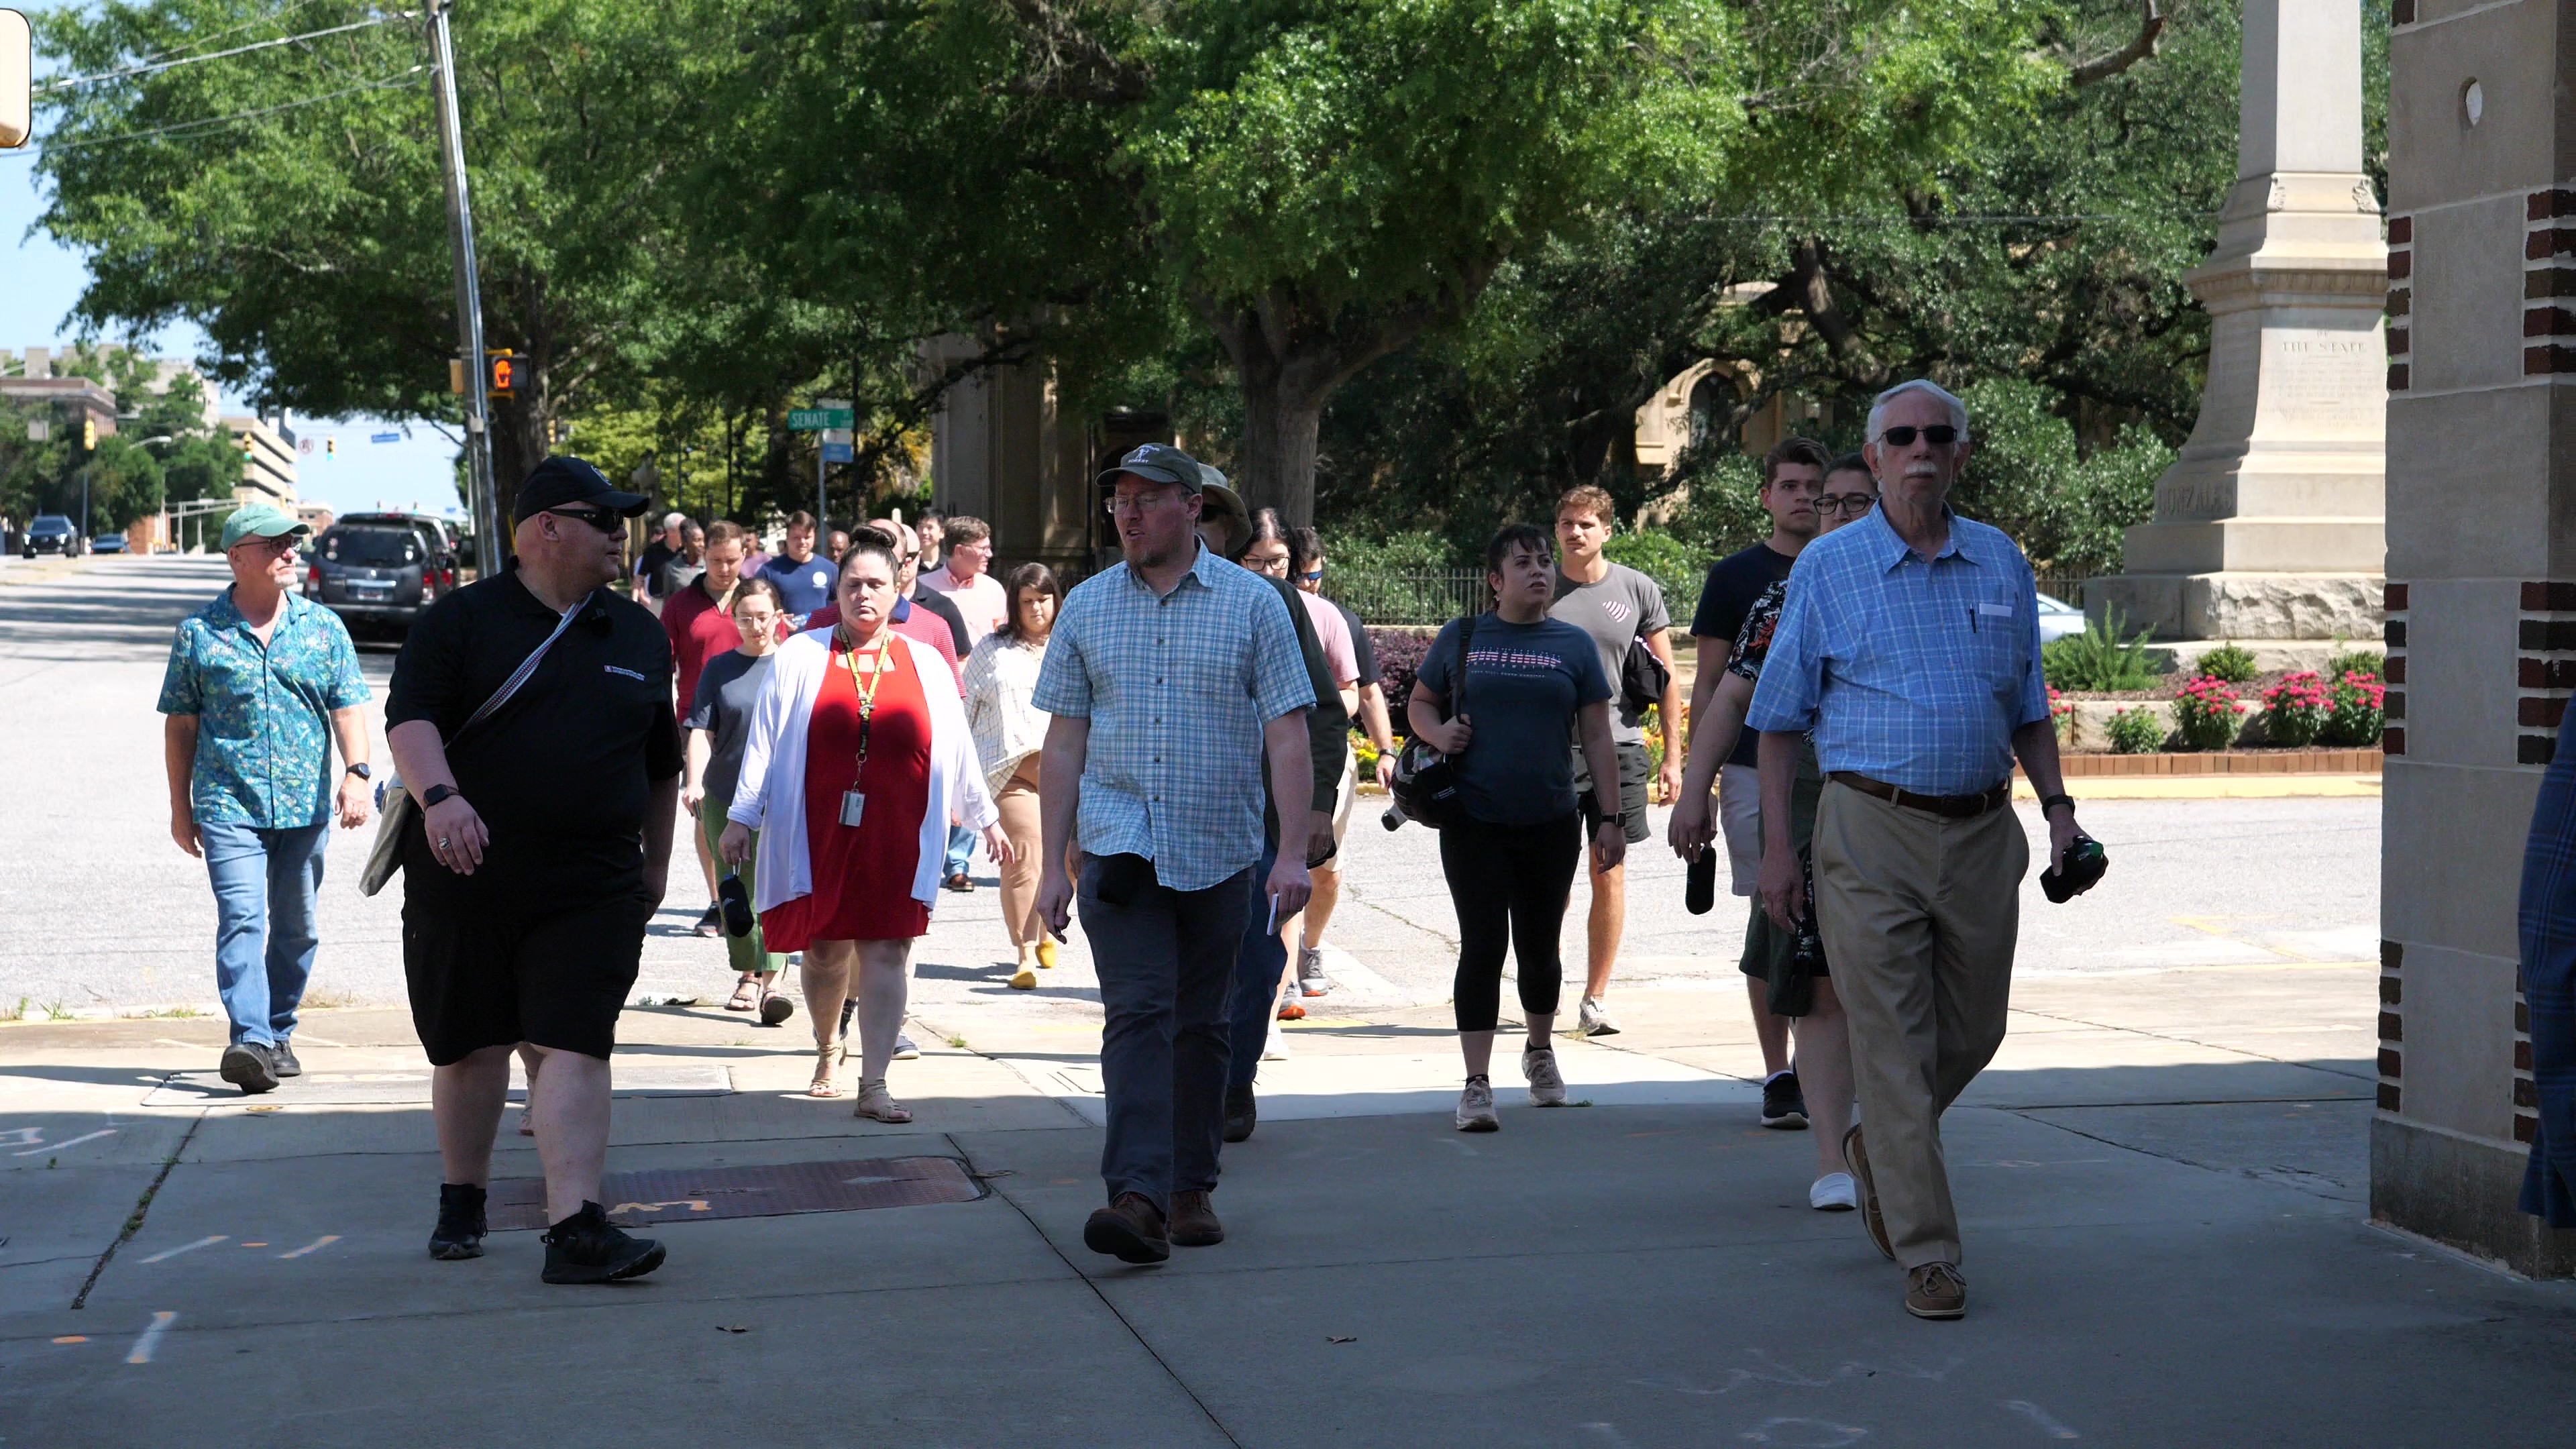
x=460, y=1229
x=1783, y=1105
x=1241, y=1113
x=712, y=923
x=248, y=1065
x=281, y=1060
x=588, y=1248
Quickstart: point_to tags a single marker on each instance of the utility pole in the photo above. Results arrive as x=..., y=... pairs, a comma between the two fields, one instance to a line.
x=484, y=503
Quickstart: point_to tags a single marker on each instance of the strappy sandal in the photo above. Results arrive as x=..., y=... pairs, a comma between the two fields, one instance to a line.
x=876, y=1104
x=826, y=1058
x=746, y=995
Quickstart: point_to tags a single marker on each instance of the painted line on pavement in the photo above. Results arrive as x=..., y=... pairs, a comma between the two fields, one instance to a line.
x=75, y=1142
x=151, y=1337
x=205, y=1242
x=317, y=1245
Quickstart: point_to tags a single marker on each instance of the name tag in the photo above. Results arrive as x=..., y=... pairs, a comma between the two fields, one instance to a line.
x=1996, y=611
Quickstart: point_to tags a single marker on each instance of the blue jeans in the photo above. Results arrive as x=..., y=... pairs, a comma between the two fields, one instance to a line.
x=1258, y=964
x=961, y=844
x=265, y=882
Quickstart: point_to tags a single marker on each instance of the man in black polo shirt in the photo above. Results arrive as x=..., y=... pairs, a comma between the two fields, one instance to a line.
x=542, y=848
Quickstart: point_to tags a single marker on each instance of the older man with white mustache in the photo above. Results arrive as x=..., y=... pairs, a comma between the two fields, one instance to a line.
x=1909, y=644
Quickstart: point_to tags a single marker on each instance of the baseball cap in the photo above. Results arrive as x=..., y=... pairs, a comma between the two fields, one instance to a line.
x=1160, y=462
x=563, y=479
x=261, y=520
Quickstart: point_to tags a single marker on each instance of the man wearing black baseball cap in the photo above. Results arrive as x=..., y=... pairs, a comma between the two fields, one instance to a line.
x=531, y=719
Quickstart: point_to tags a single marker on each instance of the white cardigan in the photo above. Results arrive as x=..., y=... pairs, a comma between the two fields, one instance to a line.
x=773, y=755
x=1001, y=680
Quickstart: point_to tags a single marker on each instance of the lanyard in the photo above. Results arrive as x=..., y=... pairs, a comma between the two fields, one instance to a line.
x=868, y=690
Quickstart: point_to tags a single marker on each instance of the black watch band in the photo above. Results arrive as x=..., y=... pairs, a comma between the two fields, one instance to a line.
x=360, y=770
x=434, y=794
x=2050, y=802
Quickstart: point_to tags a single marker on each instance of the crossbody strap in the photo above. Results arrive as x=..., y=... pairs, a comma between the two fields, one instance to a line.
x=519, y=676
x=1466, y=641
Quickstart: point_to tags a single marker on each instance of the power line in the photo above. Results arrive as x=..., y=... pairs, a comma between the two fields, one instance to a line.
x=270, y=18
x=155, y=67
x=210, y=123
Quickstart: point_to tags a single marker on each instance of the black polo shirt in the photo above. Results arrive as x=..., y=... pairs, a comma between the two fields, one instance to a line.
x=563, y=774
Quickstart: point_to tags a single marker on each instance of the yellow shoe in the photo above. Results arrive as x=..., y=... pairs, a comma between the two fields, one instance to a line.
x=1046, y=953
x=1025, y=981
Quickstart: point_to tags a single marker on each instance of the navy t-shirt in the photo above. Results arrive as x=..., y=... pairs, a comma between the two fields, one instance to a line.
x=1524, y=684
x=802, y=587
x=1734, y=582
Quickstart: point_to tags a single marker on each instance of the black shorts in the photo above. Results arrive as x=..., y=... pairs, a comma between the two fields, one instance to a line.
x=1765, y=943
x=1633, y=771
x=555, y=976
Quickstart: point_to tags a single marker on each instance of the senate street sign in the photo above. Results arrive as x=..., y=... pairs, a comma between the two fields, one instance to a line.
x=815, y=420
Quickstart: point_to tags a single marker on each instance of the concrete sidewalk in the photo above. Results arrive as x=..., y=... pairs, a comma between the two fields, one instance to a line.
x=2162, y=1179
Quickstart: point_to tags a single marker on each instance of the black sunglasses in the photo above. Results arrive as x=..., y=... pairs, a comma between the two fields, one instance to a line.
x=599, y=518
x=1939, y=435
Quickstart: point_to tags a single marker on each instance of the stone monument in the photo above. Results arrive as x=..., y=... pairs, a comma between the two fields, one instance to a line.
x=2270, y=529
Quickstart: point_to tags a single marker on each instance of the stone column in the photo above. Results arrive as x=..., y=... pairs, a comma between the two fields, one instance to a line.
x=2270, y=526
x=2481, y=596
x=1000, y=450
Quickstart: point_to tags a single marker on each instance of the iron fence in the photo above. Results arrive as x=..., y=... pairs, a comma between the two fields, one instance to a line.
x=2066, y=587
x=1407, y=596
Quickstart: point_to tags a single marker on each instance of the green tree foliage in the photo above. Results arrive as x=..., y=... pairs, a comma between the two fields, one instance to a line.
x=129, y=474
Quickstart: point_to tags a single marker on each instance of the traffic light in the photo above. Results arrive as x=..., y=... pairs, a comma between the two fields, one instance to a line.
x=330, y=447
x=89, y=435
x=244, y=438
x=504, y=381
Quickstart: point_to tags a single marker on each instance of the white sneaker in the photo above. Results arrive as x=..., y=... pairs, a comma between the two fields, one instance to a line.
x=1546, y=1083
x=1592, y=1020
x=1833, y=1193
x=1476, y=1107
x=904, y=1050
x=1273, y=1047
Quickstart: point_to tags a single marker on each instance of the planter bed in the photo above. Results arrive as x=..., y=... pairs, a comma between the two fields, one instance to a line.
x=2317, y=761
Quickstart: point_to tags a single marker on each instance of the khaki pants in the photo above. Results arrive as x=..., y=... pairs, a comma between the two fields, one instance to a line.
x=1918, y=914
x=1018, y=803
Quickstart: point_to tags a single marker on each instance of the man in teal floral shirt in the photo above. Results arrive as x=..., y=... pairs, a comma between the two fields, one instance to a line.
x=260, y=683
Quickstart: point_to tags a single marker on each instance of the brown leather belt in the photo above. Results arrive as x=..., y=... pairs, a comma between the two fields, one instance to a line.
x=1956, y=807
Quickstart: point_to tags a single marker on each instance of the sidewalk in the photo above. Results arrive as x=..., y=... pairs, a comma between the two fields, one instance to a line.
x=2162, y=1179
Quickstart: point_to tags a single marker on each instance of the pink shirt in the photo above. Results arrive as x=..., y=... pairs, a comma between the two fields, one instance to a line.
x=979, y=601
x=1341, y=660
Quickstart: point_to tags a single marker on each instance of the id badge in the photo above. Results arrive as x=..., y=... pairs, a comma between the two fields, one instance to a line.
x=854, y=805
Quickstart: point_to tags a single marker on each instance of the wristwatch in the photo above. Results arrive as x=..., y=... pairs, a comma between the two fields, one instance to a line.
x=2050, y=802
x=360, y=770
x=434, y=794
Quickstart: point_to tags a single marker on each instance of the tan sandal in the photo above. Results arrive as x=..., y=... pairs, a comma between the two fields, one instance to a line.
x=826, y=1058
x=746, y=994
x=876, y=1104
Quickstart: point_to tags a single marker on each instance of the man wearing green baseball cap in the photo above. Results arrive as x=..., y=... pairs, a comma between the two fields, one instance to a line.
x=259, y=685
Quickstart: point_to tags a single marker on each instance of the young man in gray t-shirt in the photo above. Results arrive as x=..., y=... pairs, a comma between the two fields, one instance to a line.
x=1616, y=605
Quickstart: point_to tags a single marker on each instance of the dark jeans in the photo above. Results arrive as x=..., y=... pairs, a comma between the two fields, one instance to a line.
x=1509, y=884
x=1257, y=968
x=1166, y=963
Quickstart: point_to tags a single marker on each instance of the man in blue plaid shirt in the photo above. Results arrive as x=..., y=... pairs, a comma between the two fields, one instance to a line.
x=1909, y=644
x=1170, y=677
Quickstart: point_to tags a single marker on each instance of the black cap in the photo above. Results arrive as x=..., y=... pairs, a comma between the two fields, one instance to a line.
x=1160, y=462
x=563, y=479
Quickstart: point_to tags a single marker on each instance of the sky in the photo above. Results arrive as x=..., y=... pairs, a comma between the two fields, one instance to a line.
x=40, y=281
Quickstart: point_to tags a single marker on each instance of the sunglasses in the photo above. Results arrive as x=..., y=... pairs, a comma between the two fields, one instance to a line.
x=1939, y=435
x=598, y=518
x=1311, y=575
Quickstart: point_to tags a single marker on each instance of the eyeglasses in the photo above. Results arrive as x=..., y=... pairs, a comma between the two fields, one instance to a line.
x=1139, y=502
x=598, y=518
x=1939, y=435
x=1854, y=503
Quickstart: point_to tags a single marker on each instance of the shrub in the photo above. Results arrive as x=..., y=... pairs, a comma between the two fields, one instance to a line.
x=2354, y=661
x=2230, y=662
x=2294, y=710
x=1675, y=566
x=1399, y=655
x=2136, y=731
x=2098, y=658
x=2356, y=709
x=2205, y=712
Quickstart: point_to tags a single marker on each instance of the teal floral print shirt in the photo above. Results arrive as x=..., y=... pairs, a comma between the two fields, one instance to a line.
x=263, y=711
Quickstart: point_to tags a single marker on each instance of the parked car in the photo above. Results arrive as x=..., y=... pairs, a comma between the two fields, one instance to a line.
x=433, y=537
x=51, y=533
x=2058, y=619
x=372, y=576
x=108, y=543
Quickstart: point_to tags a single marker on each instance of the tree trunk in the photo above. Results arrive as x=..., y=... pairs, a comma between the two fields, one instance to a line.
x=1280, y=423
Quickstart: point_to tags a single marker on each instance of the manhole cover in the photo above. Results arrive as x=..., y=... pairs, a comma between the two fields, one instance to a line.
x=697, y=1195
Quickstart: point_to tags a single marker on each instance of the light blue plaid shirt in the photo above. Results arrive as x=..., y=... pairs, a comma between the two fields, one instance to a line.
x=1909, y=672
x=1177, y=690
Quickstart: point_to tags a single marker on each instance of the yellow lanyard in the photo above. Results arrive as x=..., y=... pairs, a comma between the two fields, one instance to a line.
x=867, y=689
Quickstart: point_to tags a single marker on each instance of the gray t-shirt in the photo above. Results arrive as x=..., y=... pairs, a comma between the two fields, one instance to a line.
x=1614, y=611
x=727, y=689
x=1524, y=684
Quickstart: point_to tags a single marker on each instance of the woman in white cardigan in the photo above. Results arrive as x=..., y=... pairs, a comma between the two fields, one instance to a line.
x=852, y=771
x=1001, y=676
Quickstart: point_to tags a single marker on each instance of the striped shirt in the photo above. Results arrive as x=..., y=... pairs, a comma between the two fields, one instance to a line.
x=1909, y=672
x=1177, y=689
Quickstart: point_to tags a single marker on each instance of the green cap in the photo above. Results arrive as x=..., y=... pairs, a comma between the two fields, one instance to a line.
x=260, y=520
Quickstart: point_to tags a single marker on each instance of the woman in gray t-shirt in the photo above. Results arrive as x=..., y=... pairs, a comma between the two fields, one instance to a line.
x=717, y=720
x=1529, y=681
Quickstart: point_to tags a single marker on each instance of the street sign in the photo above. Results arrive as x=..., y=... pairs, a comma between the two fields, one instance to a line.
x=17, y=79
x=815, y=420
x=304, y=446
x=839, y=453
x=384, y=437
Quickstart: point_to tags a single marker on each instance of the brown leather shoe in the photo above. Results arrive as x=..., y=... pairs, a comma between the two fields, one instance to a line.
x=1869, y=1217
x=1936, y=1290
x=1194, y=1223
x=1129, y=1229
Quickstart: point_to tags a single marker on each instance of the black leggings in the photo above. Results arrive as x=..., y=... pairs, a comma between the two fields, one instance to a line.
x=1509, y=884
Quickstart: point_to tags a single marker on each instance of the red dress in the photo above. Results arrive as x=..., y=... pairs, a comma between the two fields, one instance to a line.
x=862, y=877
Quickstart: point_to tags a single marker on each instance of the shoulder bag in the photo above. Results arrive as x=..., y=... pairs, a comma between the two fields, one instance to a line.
x=1425, y=786
x=1642, y=677
x=384, y=857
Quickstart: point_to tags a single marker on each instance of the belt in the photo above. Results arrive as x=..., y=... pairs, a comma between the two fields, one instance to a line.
x=1956, y=807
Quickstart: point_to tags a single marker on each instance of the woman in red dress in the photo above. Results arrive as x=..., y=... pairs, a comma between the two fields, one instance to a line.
x=851, y=758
